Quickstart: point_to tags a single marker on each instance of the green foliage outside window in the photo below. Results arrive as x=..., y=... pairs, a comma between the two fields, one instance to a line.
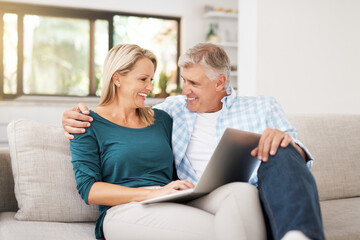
x=57, y=56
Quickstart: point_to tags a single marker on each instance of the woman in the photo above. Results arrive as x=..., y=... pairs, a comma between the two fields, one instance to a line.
x=126, y=157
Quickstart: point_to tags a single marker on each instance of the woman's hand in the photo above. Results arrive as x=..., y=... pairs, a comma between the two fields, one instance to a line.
x=171, y=187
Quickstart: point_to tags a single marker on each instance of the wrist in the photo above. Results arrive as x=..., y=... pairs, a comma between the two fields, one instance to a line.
x=300, y=150
x=149, y=193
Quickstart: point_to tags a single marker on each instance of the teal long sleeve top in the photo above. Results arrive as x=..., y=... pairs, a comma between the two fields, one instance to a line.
x=131, y=157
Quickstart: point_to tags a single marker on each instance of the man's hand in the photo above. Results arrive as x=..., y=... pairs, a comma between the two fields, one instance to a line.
x=270, y=141
x=75, y=120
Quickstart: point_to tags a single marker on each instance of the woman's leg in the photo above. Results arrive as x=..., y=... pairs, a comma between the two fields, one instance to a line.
x=158, y=221
x=237, y=211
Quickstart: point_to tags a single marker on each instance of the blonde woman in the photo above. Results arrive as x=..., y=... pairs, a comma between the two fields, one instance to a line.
x=125, y=156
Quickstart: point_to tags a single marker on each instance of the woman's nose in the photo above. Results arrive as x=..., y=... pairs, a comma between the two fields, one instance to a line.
x=149, y=86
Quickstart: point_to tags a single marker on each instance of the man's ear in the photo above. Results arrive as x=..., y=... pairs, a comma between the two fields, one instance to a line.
x=116, y=79
x=220, y=82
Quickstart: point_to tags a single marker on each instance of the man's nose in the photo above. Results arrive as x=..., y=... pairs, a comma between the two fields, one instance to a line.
x=185, y=89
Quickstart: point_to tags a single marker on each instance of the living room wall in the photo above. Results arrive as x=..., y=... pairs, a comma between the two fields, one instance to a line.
x=308, y=54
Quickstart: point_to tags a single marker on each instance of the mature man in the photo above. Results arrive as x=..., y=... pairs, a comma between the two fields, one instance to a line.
x=207, y=107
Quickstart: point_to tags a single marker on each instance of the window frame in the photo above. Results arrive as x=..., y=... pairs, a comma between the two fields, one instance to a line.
x=22, y=9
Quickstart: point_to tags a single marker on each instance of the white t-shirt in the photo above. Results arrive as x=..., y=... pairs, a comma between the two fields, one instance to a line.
x=203, y=141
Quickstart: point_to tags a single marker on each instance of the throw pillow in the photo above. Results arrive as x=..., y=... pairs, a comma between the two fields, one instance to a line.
x=44, y=180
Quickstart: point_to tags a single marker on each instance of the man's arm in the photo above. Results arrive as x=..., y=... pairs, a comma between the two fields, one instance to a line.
x=75, y=120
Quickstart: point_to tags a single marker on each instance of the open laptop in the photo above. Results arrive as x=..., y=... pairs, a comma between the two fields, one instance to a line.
x=230, y=162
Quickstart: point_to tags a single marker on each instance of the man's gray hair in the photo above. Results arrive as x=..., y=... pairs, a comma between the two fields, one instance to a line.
x=212, y=57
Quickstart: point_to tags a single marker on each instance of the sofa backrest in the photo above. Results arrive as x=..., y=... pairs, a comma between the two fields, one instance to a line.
x=334, y=142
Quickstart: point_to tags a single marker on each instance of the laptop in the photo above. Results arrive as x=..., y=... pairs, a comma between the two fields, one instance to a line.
x=230, y=162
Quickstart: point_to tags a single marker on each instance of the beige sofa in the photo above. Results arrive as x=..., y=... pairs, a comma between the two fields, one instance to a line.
x=49, y=207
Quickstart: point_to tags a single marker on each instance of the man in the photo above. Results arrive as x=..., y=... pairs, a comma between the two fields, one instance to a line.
x=207, y=107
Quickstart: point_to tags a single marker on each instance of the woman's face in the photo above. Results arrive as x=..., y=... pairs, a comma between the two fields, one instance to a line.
x=136, y=84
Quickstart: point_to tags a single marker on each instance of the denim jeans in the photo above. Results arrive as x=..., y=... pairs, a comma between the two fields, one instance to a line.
x=289, y=195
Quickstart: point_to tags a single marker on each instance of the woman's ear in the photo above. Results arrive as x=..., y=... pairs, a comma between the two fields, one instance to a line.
x=116, y=79
x=220, y=83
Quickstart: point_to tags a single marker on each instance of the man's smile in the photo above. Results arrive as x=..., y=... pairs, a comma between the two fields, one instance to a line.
x=191, y=98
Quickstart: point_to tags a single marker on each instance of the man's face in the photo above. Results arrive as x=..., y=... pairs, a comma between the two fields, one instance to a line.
x=203, y=95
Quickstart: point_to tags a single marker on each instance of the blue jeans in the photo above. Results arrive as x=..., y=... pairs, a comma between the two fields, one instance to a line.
x=289, y=195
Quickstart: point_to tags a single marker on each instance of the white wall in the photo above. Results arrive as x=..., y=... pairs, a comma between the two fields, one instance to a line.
x=308, y=54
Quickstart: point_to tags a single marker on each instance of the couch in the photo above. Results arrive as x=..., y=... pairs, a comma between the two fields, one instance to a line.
x=48, y=207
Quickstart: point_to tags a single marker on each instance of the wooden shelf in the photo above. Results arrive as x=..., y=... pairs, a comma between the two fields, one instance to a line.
x=226, y=27
x=215, y=14
x=226, y=44
x=233, y=74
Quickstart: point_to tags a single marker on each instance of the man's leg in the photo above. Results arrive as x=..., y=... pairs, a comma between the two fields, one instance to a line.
x=289, y=195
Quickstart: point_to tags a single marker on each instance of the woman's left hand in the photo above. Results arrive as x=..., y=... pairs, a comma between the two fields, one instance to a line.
x=171, y=187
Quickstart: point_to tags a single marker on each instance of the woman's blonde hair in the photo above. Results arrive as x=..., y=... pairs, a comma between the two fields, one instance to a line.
x=121, y=59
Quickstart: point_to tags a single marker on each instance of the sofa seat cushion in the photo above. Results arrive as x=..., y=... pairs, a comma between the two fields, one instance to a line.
x=341, y=218
x=12, y=229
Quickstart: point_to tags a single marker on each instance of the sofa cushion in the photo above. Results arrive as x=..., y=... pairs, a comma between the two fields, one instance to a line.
x=45, y=186
x=334, y=141
x=341, y=218
x=10, y=229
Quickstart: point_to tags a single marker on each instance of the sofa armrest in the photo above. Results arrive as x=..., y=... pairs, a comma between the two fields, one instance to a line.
x=8, y=201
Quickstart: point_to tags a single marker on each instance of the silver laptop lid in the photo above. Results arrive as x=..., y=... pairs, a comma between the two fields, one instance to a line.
x=231, y=160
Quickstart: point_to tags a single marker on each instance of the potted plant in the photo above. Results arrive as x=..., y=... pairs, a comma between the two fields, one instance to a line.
x=163, y=81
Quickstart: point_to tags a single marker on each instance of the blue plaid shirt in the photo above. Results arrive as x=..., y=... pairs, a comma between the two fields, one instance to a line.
x=253, y=114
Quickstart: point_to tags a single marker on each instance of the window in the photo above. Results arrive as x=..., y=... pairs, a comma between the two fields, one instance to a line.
x=56, y=56
x=60, y=51
x=158, y=35
x=10, y=37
